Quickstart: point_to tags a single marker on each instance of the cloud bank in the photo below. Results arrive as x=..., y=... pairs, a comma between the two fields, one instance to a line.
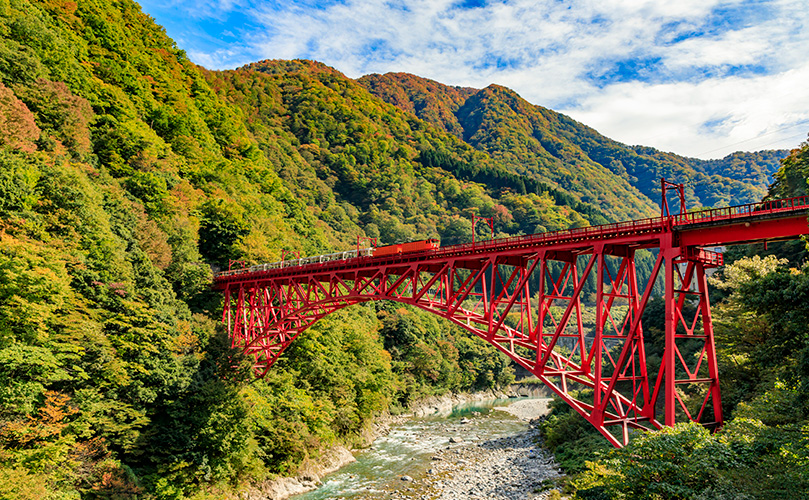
x=697, y=77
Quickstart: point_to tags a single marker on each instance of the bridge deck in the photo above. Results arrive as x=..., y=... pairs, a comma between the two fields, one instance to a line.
x=768, y=220
x=528, y=296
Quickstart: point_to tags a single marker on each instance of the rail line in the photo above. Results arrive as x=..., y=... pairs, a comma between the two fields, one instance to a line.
x=654, y=225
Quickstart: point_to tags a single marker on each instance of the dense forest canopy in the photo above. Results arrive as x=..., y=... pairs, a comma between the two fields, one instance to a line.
x=128, y=175
x=537, y=142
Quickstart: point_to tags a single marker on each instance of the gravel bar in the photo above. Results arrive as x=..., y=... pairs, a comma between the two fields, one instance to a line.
x=510, y=468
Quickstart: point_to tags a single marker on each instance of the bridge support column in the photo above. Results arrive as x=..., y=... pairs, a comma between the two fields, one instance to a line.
x=669, y=254
x=598, y=404
x=689, y=359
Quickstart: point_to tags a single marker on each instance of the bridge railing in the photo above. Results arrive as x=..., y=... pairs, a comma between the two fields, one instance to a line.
x=560, y=235
x=740, y=211
x=230, y=272
x=590, y=232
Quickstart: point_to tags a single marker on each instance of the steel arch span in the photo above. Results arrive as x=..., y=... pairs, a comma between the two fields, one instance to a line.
x=567, y=306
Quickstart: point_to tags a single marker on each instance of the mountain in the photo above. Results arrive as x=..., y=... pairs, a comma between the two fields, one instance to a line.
x=427, y=99
x=398, y=176
x=537, y=142
x=128, y=175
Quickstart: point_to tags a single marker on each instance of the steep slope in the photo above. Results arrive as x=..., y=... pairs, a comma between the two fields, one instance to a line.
x=521, y=136
x=123, y=179
x=128, y=174
x=536, y=141
x=397, y=175
x=425, y=98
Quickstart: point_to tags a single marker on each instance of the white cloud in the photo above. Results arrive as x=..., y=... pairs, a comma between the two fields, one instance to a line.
x=198, y=9
x=218, y=58
x=692, y=62
x=751, y=114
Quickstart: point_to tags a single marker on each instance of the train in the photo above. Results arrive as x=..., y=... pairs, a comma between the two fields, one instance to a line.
x=409, y=247
x=383, y=251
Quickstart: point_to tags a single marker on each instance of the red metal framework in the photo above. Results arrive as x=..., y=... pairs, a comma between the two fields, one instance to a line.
x=665, y=187
x=567, y=306
x=241, y=263
x=285, y=253
x=489, y=221
x=365, y=242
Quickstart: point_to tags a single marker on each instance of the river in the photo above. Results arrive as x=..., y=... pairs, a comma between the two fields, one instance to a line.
x=478, y=450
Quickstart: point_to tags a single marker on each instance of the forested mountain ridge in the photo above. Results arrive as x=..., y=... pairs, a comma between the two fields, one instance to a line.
x=427, y=99
x=534, y=140
x=398, y=175
x=128, y=174
x=497, y=121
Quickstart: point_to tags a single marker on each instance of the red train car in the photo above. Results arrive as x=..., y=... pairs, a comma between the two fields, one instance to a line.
x=409, y=247
x=387, y=250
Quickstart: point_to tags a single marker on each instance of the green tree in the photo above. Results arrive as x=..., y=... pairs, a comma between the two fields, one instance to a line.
x=674, y=463
x=221, y=228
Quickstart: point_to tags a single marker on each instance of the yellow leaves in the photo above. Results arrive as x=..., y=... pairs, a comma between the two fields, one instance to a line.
x=261, y=243
x=186, y=341
x=597, y=474
x=36, y=431
x=20, y=484
x=745, y=270
x=33, y=285
x=135, y=332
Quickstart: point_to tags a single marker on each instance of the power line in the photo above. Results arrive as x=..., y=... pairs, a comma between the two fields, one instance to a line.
x=782, y=140
x=757, y=137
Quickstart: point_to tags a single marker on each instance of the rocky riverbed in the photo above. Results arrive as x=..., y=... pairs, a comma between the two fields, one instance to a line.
x=352, y=483
x=527, y=409
x=468, y=466
x=500, y=469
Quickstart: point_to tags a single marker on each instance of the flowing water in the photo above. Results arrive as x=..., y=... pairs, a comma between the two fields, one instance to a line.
x=409, y=447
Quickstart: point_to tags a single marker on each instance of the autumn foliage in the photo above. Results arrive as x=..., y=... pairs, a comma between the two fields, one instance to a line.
x=128, y=175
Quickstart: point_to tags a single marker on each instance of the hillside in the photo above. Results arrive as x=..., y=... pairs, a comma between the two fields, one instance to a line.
x=128, y=175
x=536, y=141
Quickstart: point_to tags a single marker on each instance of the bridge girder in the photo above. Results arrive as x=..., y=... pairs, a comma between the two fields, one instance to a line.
x=599, y=368
x=526, y=297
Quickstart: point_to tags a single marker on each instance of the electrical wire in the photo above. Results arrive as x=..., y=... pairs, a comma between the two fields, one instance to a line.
x=802, y=122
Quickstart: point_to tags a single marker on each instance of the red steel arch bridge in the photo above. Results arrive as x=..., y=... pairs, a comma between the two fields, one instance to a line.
x=527, y=296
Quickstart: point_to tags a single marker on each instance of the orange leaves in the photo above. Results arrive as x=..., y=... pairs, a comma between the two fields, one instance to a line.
x=58, y=109
x=17, y=126
x=46, y=426
x=44, y=445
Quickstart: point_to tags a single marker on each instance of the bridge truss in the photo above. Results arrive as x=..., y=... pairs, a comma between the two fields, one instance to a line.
x=567, y=306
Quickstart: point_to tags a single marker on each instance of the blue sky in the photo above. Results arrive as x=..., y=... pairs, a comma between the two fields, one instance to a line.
x=697, y=77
